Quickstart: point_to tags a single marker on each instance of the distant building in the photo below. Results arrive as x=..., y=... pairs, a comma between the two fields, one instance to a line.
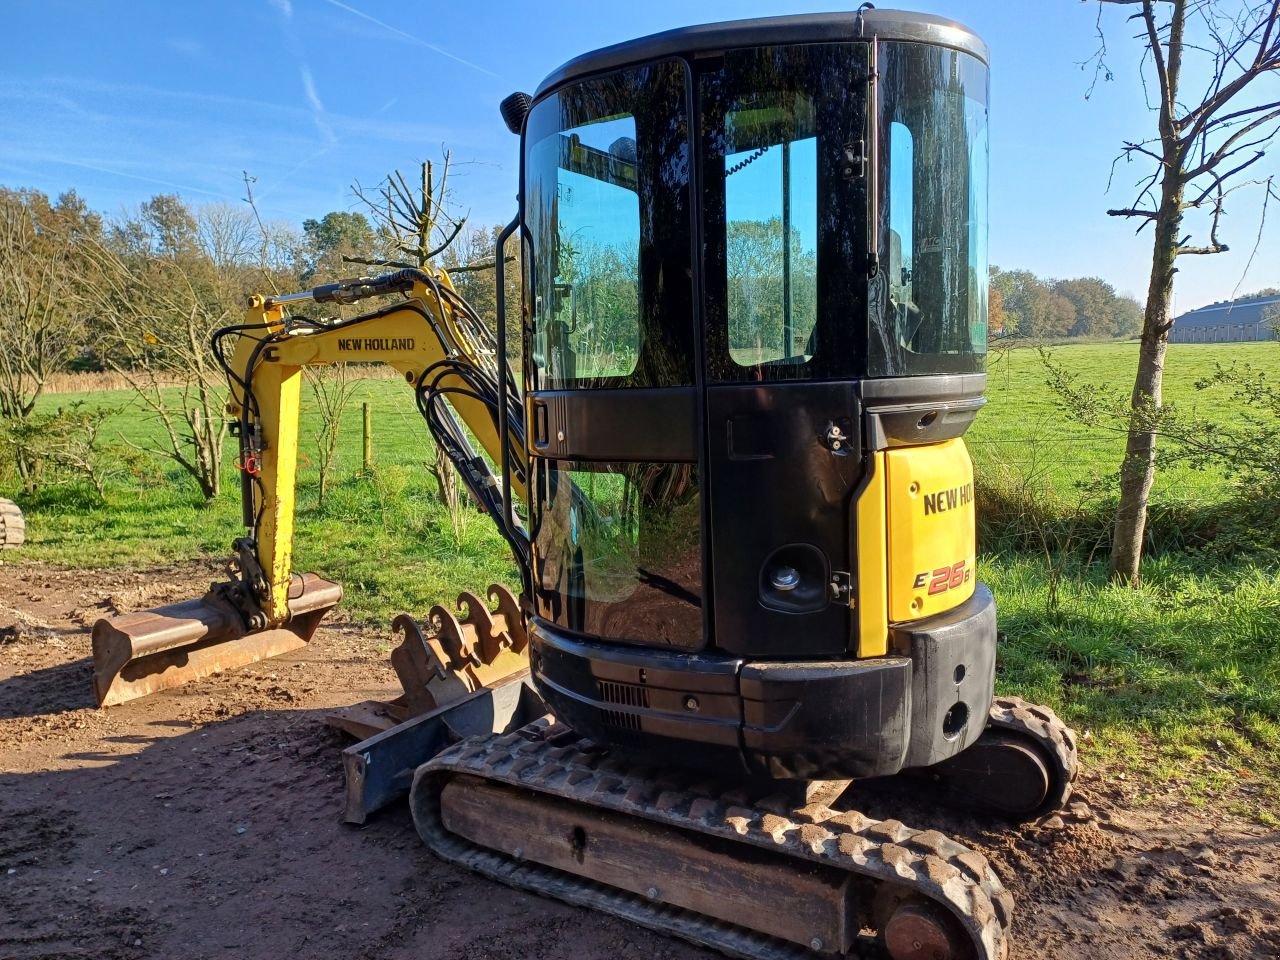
x=1231, y=320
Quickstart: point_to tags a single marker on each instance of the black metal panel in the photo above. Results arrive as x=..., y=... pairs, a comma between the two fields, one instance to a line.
x=670, y=707
x=780, y=485
x=813, y=721
x=786, y=719
x=659, y=424
x=954, y=660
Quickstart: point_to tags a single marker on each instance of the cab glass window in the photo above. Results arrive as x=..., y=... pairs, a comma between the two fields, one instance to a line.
x=588, y=306
x=771, y=226
x=929, y=309
x=606, y=204
x=618, y=550
x=784, y=212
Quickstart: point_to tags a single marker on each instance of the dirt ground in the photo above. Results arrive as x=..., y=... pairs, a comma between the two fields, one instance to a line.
x=204, y=823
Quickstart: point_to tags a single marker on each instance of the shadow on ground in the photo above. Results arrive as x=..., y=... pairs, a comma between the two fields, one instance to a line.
x=50, y=690
x=224, y=840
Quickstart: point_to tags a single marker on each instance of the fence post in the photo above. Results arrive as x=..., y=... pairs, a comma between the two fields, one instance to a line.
x=368, y=439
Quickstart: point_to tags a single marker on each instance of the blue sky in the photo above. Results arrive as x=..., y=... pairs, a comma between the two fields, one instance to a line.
x=123, y=100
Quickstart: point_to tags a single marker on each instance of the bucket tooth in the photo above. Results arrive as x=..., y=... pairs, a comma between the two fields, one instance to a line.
x=137, y=654
x=424, y=668
x=459, y=656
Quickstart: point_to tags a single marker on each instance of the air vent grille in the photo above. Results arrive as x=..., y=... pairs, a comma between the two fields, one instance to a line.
x=623, y=694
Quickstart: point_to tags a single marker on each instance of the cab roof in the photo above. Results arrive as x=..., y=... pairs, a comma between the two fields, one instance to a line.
x=710, y=38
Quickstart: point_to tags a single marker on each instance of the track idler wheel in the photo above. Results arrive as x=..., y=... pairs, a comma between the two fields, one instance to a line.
x=1022, y=767
x=919, y=930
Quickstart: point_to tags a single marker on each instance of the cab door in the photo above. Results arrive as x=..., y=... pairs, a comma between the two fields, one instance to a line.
x=612, y=396
x=784, y=277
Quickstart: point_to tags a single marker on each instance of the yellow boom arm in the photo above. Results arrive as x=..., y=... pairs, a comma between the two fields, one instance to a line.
x=432, y=332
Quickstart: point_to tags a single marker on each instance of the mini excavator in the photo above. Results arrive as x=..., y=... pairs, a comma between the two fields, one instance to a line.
x=734, y=482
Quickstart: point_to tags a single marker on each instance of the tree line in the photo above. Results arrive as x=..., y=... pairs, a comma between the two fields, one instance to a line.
x=1022, y=304
x=140, y=296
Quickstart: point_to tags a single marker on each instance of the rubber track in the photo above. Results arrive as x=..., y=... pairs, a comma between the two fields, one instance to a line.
x=12, y=526
x=927, y=862
x=1055, y=739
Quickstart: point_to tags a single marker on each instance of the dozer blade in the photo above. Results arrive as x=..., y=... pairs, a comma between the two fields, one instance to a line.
x=140, y=653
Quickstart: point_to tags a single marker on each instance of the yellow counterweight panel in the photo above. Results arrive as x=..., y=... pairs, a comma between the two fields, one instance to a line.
x=932, y=533
x=873, y=564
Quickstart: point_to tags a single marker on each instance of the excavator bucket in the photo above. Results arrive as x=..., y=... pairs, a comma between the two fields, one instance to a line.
x=137, y=654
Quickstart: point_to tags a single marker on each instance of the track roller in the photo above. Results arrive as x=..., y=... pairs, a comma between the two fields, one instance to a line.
x=1022, y=767
x=919, y=930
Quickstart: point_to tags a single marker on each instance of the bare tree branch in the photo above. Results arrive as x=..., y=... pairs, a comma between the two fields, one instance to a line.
x=379, y=262
x=1269, y=193
x=1133, y=212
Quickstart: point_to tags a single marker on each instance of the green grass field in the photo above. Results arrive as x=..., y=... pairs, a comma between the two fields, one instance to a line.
x=1024, y=425
x=383, y=535
x=1177, y=683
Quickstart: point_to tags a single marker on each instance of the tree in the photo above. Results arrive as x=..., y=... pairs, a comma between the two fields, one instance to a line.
x=995, y=311
x=335, y=239
x=415, y=221
x=1006, y=285
x=1054, y=315
x=170, y=276
x=1031, y=307
x=1094, y=302
x=471, y=261
x=418, y=227
x=1271, y=317
x=41, y=318
x=756, y=267
x=1128, y=318
x=1203, y=143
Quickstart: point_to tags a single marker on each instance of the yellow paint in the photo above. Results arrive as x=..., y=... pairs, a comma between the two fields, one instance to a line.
x=873, y=602
x=279, y=392
x=932, y=537
x=401, y=340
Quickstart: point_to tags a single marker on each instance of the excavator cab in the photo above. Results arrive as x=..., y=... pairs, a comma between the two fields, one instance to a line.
x=755, y=277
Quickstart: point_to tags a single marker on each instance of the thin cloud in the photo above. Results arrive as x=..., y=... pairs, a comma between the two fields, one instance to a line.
x=289, y=174
x=19, y=90
x=317, y=108
x=407, y=36
x=284, y=6
x=133, y=176
x=20, y=171
x=26, y=96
